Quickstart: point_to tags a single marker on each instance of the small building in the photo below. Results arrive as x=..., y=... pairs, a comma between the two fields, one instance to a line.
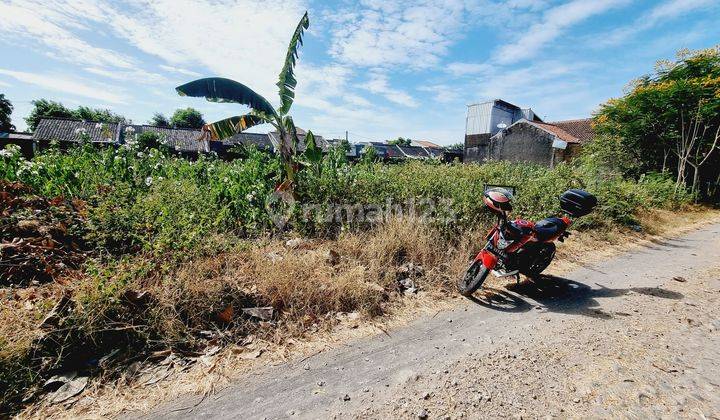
x=188, y=142
x=394, y=152
x=68, y=132
x=499, y=130
x=22, y=140
x=533, y=142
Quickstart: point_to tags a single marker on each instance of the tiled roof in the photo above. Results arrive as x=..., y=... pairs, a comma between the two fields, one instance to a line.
x=581, y=129
x=261, y=141
x=414, y=152
x=435, y=151
x=319, y=140
x=180, y=139
x=71, y=130
x=553, y=129
x=425, y=143
x=393, y=151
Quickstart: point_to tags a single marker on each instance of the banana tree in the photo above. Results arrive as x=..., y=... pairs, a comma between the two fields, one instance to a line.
x=218, y=89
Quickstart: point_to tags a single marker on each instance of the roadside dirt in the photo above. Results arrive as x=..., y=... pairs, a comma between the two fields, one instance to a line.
x=651, y=354
x=635, y=336
x=191, y=392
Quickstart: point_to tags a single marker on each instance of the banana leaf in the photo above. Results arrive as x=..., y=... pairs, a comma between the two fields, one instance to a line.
x=313, y=153
x=218, y=89
x=230, y=126
x=290, y=143
x=287, y=80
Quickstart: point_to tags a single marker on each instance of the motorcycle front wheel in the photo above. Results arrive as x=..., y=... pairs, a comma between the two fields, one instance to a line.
x=474, y=278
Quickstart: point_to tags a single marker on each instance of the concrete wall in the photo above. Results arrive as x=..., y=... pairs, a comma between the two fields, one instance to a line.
x=524, y=143
x=520, y=143
x=476, y=147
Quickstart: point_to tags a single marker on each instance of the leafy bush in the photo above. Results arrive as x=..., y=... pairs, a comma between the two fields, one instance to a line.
x=142, y=198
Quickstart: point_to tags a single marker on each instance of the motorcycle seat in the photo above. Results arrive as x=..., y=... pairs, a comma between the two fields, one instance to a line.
x=546, y=229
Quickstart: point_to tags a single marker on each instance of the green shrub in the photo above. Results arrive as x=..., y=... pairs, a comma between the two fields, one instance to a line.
x=142, y=198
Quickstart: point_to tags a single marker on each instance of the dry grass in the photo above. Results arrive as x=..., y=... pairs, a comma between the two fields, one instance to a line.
x=308, y=287
x=315, y=280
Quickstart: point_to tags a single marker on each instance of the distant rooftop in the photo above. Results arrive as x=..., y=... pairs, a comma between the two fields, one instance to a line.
x=580, y=128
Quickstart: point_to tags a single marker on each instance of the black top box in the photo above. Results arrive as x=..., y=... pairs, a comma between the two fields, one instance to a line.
x=577, y=203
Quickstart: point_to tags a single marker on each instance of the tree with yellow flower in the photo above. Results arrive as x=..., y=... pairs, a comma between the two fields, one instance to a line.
x=669, y=121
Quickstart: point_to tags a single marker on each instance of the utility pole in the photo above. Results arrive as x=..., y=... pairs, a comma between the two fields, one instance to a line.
x=346, y=137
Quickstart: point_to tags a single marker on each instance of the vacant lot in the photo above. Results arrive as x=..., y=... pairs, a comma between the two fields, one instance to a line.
x=114, y=257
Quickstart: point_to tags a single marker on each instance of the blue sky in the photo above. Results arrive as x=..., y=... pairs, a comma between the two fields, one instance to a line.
x=378, y=69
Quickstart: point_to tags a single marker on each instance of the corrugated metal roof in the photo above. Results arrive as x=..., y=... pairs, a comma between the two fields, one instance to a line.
x=16, y=136
x=478, y=118
x=66, y=130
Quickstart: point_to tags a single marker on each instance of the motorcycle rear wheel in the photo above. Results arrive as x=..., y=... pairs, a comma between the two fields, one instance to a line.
x=474, y=277
x=541, y=259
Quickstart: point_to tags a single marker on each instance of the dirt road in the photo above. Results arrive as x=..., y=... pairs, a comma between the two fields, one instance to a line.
x=634, y=337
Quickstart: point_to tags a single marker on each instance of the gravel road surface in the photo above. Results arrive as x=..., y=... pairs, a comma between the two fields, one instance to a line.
x=633, y=337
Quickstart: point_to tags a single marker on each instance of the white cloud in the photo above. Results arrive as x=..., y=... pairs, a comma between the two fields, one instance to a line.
x=659, y=14
x=553, y=24
x=51, y=28
x=378, y=83
x=401, y=33
x=135, y=76
x=462, y=69
x=243, y=40
x=179, y=70
x=540, y=78
x=356, y=100
x=674, y=8
x=58, y=83
x=443, y=93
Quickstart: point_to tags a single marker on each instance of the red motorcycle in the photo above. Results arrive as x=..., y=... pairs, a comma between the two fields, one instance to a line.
x=521, y=246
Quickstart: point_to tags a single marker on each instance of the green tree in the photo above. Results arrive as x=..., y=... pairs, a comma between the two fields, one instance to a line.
x=456, y=146
x=345, y=146
x=669, y=121
x=369, y=155
x=400, y=141
x=216, y=89
x=159, y=120
x=97, y=114
x=187, y=118
x=43, y=108
x=6, y=109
